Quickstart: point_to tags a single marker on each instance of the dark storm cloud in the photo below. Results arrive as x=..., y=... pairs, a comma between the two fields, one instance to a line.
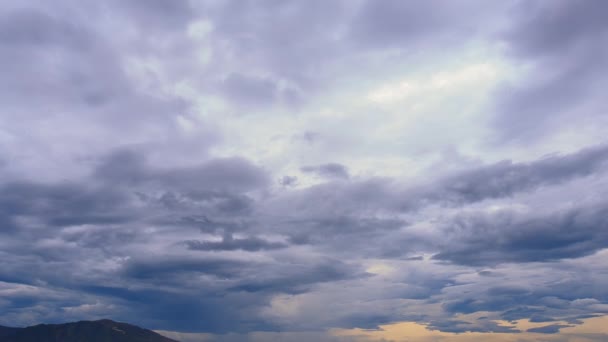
x=169, y=199
x=506, y=178
x=157, y=269
x=521, y=310
x=104, y=237
x=462, y=326
x=489, y=239
x=548, y=329
x=63, y=204
x=215, y=186
x=345, y=214
x=565, y=42
x=547, y=301
x=340, y=231
x=341, y=224
x=289, y=276
x=334, y=202
x=206, y=310
x=234, y=289
x=329, y=170
x=219, y=182
x=500, y=298
x=293, y=276
x=105, y=216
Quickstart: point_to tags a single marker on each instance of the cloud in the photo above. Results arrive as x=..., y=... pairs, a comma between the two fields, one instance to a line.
x=63, y=204
x=414, y=25
x=291, y=39
x=250, y=91
x=505, y=178
x=330, y=170
x=591, y=331
x=562, y=42
x=251, y=244
x=548, y=329
x=512, y=237
x=133, y=185
x=335, y=220
x=220, y=174
x=288, y=180
x=157, y=14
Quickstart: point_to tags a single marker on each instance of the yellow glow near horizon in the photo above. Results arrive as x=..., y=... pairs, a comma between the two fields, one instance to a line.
x=592, y=329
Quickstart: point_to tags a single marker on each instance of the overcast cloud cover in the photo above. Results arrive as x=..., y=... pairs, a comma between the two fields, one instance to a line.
x=306, y=170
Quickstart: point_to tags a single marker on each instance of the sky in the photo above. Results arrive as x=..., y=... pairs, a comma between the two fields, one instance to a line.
x=327, y=170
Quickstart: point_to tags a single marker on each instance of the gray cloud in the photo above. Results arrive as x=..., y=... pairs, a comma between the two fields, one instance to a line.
x=512, y=237
x=564, y=41
x=251, y=91
x=160, y=268
x=159, y=14
x=343, y=226
x=36, y=45
x=294, y=277
x=506, y=178
x=228, y=243
x=548, y=329
x=34, y=28
x=220, y=174
x=131, y=186
x=288, y=180
x=329, y=170
x=462, y=326
x=292, y=39
x=415, y=25
x=548, y=28
x=63, y=204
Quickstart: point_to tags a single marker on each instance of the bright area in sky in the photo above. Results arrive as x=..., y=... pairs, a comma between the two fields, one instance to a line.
x=325, y=170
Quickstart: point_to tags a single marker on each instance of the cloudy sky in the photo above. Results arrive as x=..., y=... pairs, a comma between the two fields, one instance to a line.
x=327, y=170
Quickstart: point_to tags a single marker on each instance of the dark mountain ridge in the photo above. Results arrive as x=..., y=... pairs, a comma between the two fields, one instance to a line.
x=84, y=331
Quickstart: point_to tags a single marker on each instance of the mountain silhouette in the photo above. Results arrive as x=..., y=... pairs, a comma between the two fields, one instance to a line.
x=84, y=331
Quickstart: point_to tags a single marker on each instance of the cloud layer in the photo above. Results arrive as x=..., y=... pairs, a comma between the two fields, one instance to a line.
x=305, y=169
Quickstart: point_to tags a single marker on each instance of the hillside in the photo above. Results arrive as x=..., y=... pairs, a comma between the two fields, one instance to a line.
x=83, y=331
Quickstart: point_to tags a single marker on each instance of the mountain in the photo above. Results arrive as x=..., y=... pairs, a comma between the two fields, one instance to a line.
x=83, y=331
